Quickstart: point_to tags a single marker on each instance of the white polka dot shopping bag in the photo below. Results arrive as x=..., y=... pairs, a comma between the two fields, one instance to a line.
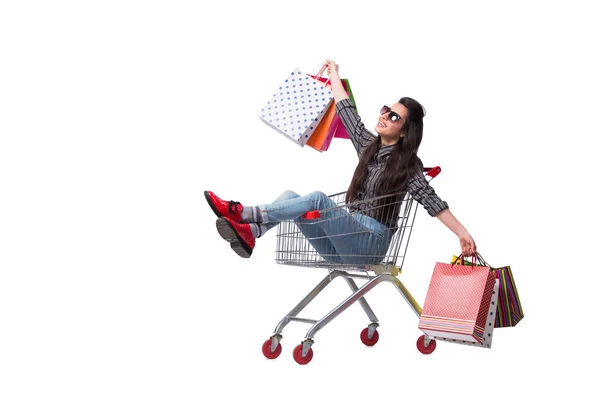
x=297, y=107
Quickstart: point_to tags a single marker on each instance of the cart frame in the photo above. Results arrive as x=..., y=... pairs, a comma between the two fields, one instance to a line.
x=385, y=271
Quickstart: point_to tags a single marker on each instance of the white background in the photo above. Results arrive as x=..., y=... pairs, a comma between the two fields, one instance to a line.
x=115, y=116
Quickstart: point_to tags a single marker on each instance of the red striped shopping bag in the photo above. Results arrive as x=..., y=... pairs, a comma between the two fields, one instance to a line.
x=509, y=311
x=457, y=302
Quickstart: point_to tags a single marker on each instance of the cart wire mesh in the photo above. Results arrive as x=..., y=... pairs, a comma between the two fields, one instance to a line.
x=362, y=247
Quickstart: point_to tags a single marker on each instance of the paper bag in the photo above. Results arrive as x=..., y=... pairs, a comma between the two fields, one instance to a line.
x=509, y=311
x=297, y=107
x=320, y=134
x=457, y=302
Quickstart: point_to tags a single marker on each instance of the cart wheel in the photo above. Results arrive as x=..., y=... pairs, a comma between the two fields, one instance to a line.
x=364, y=336
x=421, y=345
x=298, y=355
x=266, y=349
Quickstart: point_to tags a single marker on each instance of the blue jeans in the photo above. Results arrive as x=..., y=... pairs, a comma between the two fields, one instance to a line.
x=338, y=236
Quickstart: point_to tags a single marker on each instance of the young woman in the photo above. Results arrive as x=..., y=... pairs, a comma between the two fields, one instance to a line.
x=388, y=167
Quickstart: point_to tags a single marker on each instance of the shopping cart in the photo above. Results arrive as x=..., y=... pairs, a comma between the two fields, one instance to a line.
x=294, y=248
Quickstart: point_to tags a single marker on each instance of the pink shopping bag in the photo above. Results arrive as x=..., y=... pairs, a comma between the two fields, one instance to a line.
x=457, y=302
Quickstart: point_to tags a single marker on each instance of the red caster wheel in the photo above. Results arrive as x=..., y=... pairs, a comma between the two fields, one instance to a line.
x=364, y=337
x=266, y=349
x=421, y=345
x=298, y=355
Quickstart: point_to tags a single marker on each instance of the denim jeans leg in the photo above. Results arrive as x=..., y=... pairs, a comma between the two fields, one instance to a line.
x=358, y=239
x=292, y=203
x=287, y=195
x=293, y=208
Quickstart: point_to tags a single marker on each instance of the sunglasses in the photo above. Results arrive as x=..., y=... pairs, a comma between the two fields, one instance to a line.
x=394, y=117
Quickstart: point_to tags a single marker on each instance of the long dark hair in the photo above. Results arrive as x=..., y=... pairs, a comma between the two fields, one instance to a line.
x=402, y=161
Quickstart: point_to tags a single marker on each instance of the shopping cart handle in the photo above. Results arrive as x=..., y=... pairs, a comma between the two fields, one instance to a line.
x=432, y=172
x=312, y=214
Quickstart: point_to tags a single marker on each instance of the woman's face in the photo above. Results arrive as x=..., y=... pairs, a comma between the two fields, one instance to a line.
x=390, y=124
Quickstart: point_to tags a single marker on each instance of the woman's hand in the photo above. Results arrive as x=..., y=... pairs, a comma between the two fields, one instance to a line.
x=332, y=67
x=339, y=93
x=467, y=244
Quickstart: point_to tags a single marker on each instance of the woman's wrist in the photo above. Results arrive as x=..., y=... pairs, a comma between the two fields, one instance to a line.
x=461, y=232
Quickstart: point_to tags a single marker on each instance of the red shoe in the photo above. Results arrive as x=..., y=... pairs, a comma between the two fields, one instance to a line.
x=239, y=235
x=229, y=209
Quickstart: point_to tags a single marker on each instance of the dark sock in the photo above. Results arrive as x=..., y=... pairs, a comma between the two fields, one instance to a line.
x=251, y=214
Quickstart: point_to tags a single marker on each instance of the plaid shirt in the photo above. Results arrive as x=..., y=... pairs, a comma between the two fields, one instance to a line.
x=418, y=186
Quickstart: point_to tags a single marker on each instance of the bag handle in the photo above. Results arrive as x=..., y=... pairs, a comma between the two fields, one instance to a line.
x=476, y=259
x=462, y=260
x=482, y=261
x=321, y=70
x=320, y=73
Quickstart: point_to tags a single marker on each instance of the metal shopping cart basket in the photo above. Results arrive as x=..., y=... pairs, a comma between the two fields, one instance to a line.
x=294, y=248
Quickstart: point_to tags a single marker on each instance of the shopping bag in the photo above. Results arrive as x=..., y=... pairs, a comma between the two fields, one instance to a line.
x=509, y=311
x=337, y=125
x=345, y=84
x=297, y=107
x=320, y=133
x=330, y=133
x=509, y=305
x=337, y=128
x=488, y=332
x=457, y=301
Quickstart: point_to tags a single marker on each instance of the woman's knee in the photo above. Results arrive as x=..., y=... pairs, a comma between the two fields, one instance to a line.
x=319, y=196
x=287, y=195
x=321, y=200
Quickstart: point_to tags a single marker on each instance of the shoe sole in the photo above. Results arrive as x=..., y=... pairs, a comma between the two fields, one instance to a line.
x=228, y=233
